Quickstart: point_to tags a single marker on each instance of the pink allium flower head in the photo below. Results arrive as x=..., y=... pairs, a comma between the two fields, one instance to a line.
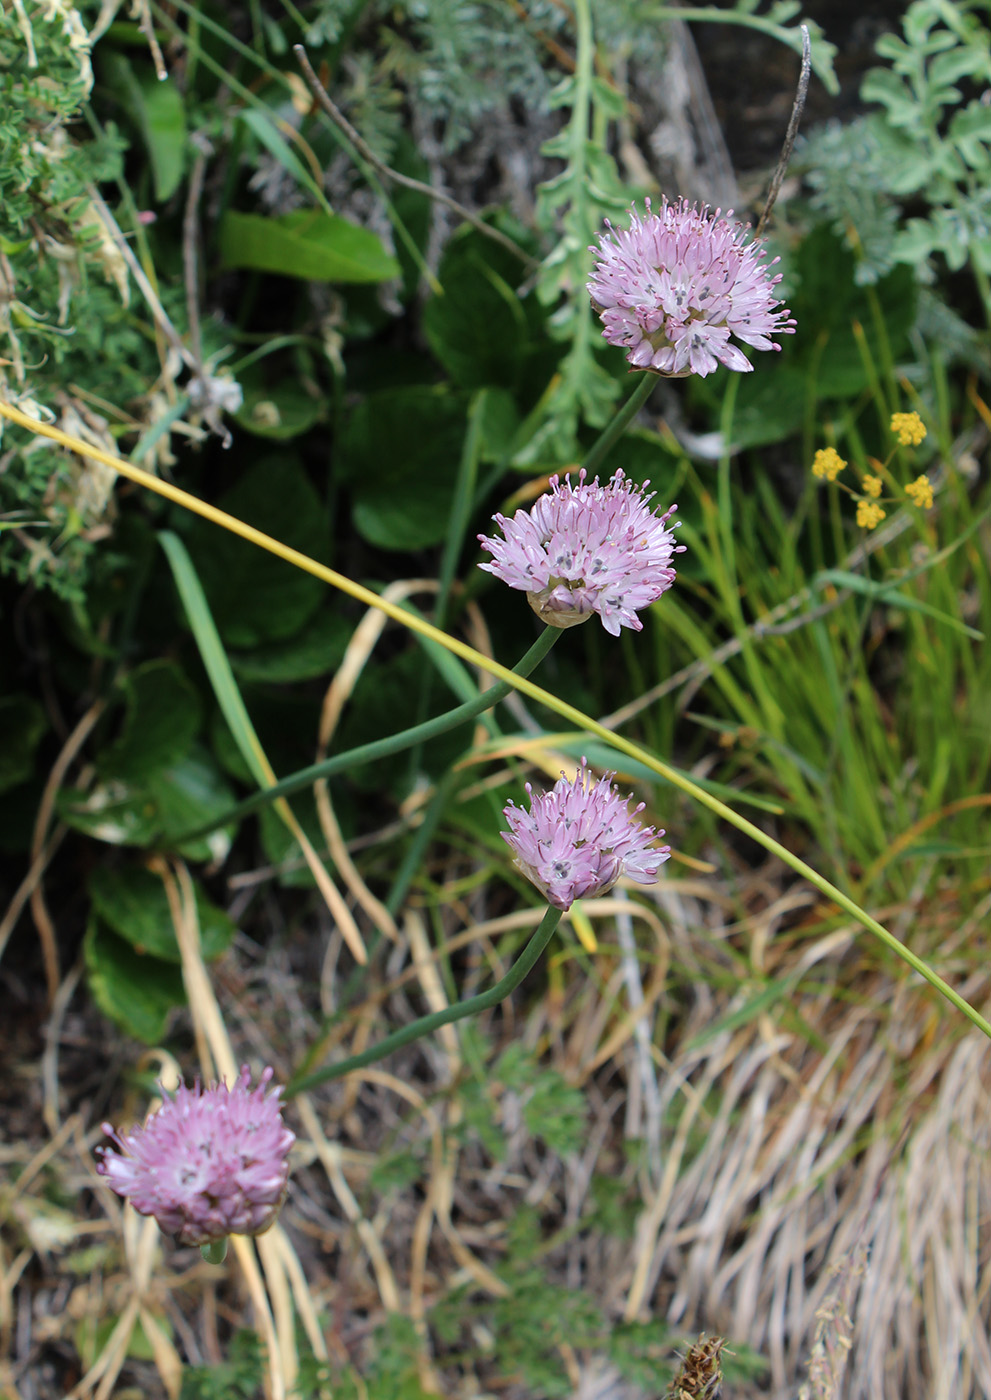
x=673, y=287
x=579, y=838
x=209, y=1163
x=584, y=549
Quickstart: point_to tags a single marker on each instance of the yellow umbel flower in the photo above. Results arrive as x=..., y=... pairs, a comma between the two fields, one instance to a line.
x=869, y=514
x=920, y=491
x=909, y=428
x=872, y=485
x=828, y=463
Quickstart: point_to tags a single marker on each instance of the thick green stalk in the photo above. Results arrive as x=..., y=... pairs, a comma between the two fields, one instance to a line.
x=425, y=1024
x=611, y=435
x=381, y=748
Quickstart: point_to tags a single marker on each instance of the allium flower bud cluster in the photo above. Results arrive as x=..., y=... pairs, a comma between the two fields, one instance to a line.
x=584, y=549
x=578, y=839
x=673, y=287
x=209, y=1163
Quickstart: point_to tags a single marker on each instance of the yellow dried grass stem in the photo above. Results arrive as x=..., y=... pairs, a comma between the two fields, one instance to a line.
x=276, y=1322
x=526, y=687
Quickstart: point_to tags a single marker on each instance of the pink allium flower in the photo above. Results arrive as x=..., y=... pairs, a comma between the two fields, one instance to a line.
x=578, y=839
x=584, y=549
x=209, y=1163
x=673, y=287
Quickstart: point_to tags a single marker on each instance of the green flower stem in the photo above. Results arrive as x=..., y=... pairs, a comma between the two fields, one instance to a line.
x=381, y=748
x=619, y=424
x=410, y=864
x=215, y=1252
x=425, y=1024
x=518, y=682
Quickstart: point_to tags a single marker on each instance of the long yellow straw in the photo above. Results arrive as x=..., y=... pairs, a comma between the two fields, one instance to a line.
x=526, y=687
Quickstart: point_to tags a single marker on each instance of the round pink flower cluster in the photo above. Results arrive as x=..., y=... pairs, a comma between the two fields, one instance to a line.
x=584, y=549
x=578, y=839
x=209, y=1163
x=673, y=287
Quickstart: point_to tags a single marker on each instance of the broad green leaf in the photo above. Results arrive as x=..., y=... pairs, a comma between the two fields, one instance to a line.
x=131, y=901
x=315, y=651
x=254, y=597
x=826, y=302
x=161, y=717
x=111, y=812
x=498, y=424
x=401, y=450
x=157, y=110
x=170, y=801
x=190, y=794
x=308, y=244
x=22, y=723
x=137, y=991
x=478, y=328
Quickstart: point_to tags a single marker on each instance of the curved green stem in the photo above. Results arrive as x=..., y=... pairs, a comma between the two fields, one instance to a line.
x=526, y=687
x=425, y=1024
x=619, y=424
x=380, y=748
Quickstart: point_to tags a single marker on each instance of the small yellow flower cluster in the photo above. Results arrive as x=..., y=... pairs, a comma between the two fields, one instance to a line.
x=909, y=428
x=920, y=492
x=869, y=514
x=828, y=463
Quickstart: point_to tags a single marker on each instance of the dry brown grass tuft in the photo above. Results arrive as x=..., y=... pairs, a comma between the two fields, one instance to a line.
x=803, y=1136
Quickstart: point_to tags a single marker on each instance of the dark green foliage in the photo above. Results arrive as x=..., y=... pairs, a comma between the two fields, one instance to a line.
x=132, y=902
x=135, y=990
x=554, y=1112
x=256, y=599
x=22, y=723
x=400, y=459
x=238, y=1378
x=930, y=143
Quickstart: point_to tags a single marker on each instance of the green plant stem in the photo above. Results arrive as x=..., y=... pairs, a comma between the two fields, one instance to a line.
x=215, y=1252
x=457, y=529
x=520, y=683
x=611, y=435
x=381, y=748
x=425, y=1024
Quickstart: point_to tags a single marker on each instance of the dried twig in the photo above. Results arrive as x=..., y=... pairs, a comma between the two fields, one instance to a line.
x=796, y=116
x=325, y=101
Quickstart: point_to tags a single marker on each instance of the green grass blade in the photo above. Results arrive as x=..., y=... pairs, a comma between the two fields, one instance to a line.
x=215, y=658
